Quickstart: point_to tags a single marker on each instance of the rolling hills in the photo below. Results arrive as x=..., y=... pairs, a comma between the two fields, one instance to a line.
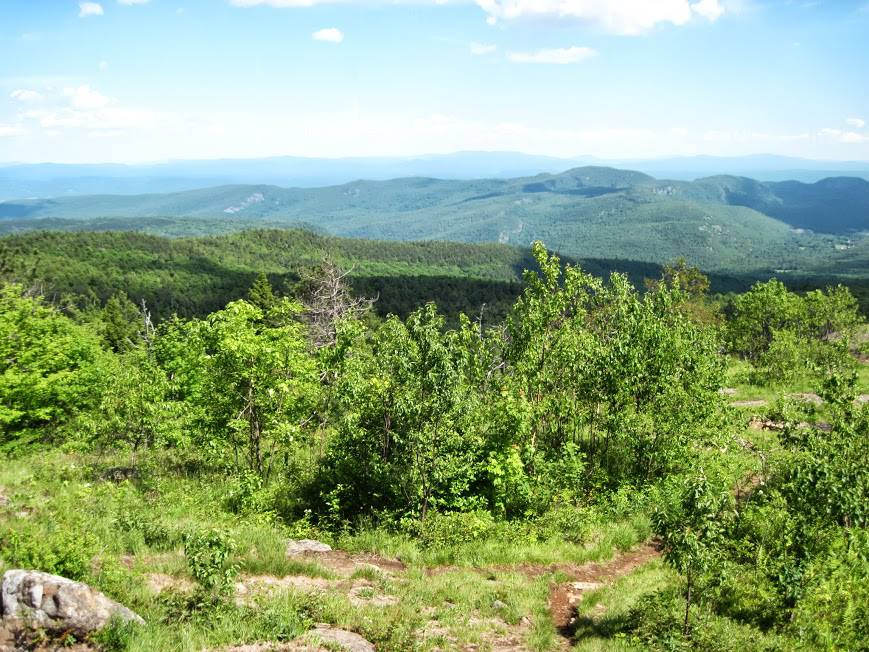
x=722, y=224
x=68, y=179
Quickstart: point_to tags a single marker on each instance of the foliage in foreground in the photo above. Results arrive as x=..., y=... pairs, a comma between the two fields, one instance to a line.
x=592, y=401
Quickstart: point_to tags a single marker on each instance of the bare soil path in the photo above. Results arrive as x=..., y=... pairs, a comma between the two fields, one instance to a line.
x=564, y=597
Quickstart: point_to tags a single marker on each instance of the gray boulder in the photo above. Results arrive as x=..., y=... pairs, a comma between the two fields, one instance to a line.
x=340, y=638
x=302, y=546
x=55, y=603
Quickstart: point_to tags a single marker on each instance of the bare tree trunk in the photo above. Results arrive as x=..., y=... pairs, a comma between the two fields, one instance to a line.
x=687, y=605
x=255, y=433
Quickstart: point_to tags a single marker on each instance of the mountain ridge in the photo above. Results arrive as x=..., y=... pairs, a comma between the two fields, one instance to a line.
x=720, y=223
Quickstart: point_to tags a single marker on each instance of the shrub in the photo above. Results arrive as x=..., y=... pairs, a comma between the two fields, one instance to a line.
x=656, y=624
x=448, y=529
x=65, y=552
x=208, y=559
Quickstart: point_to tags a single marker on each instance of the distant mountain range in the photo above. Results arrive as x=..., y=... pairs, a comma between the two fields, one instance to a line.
x=52, y=179
x=722, y=223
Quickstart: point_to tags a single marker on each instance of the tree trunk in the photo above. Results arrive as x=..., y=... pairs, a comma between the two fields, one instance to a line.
x=687, y=605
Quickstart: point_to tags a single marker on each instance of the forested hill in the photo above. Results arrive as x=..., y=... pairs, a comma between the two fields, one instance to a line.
x=718, y=223
x=195, y=276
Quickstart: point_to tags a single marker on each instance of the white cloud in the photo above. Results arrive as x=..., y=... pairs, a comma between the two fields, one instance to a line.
x=10, y=130
x=859, y=123
x=616, y=16
x=86, y=9
x=842, y=136
x=280, y=4
x=479, y=49
x=85, y=97
x=26, y=95
x=573, y=54
x=82, y=107
x=103, y=65
x=709, y=9
x=328, y=34
x=109, y=117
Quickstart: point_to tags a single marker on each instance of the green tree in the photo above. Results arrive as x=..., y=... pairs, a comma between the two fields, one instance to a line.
x=121, y=323
x=261, y=293
x=259, y=383
x=691, y=525
x=51, y=368
x=407, y=439
x=135, y=408
x=626, y=379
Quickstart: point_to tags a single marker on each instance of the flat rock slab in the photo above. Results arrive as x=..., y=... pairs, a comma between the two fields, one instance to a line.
x=55, y=603
x=341, y=638
x=807, y=397
x=756, y=403
x=303, y=546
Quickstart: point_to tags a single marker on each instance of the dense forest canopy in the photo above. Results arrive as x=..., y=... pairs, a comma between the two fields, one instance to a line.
x=193, y=276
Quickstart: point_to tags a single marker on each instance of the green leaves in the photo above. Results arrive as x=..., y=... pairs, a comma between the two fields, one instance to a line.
x=259, y=383
x=208, y=558
x=50, y=367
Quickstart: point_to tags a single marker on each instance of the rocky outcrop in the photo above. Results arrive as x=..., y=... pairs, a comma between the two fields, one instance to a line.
x=55, y=603
x=304, y=546
x=340, y=638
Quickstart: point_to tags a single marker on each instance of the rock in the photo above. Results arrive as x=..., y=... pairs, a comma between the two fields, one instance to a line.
x=332, y=636
x=303, y=546
x=585, y=586
x=808, y=397
x=56, y=603
x=743, y=404
x=497, y=605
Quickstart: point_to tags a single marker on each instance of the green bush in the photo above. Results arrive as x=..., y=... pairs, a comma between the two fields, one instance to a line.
x=51, y=369
x=64, y=552
x=655, y=623
x=448, y=529
x=208, y=559
x=834, y=612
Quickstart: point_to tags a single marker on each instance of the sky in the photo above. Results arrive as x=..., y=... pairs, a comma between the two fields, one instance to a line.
x=150, y=80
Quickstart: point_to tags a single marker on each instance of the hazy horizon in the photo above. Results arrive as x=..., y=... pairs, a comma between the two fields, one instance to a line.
x=584, y=159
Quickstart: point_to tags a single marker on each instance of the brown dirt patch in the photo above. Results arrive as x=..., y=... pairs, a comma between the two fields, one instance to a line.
x=363, y=594
x=159, y=582
x=344, y=563
x=253, y=585
x=13, y=639
x=564, y=597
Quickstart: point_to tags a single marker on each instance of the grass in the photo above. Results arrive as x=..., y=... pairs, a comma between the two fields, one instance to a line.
x=71, y=516
x=738, y=375
x=602, y=614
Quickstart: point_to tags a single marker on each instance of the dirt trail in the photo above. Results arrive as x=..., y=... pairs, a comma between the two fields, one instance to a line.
x=564, y=597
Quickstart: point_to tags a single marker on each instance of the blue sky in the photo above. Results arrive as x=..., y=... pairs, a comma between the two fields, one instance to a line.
x=139, y=80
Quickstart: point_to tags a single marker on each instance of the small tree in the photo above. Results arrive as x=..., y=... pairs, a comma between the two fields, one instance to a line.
x=691, y=525
x=135, y=408
x=259, y=382
x=122, y=323
x=261, y=293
